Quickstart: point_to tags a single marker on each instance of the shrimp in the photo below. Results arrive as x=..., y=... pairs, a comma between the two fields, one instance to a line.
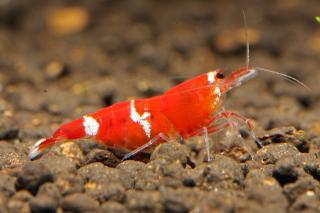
x=186, y=110
x=192, y=108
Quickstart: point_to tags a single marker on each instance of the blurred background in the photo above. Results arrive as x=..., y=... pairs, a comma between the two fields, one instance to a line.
x=61, y=59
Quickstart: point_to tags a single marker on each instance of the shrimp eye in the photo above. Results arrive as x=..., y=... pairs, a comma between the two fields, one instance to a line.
x=220, y=75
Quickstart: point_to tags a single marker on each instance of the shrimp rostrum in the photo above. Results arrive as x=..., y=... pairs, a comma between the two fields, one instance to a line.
x=192, y=108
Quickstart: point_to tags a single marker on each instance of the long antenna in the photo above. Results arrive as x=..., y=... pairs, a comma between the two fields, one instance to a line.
x=288, y=77
x=247, y=39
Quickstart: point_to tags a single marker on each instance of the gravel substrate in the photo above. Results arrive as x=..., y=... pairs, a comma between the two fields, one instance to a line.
x=60, y=60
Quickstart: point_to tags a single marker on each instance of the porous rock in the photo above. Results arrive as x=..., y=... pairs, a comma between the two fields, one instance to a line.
x=223, y=171
x=8, y=128
x=97, y=172
x=49, y=190
x=7, y=184
x=102, y=192
x=32, y=175
x=302, y=185
x=69, y=183
x=132, y=167
x=20, y=202
x=59, y=164
x=104, y=156
x=111, y=206
x=171, y=152
x=10, y=157
x=143, y=201
x=174, y=200
x=273, y=152
x=307, y=202
x=43, y=203
x=79, y=203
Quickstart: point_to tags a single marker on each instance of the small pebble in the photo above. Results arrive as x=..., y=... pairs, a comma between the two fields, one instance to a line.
x=79, y=203
x=105, y=192
x=69, y=184
x=104, y=156
x=111, y=207
x=143, y=201
x=55, y=70
x=97, y=172
x=43, y=203
x=171, y=152
x=33, y=175
x=273, y=152
x=302, y=185
x=67, y=20
x=7, y=185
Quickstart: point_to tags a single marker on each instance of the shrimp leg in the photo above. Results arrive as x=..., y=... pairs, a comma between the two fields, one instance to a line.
x=153, y=141
x=206, y=141
x=228, y=115
x=205, y=131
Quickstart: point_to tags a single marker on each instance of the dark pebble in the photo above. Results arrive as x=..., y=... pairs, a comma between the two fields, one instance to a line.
x=79, y=203
x=311, y=166
x=307, y=202
x=103, y=156
x=49, y=190
x=192, y=177
x=7, y=184
x=260, y=176
x=147, y=180
x=259, y=185
x=33, y=175
x=98, y=173
x=273, y=152
x=8, y=129
x=132, y=167
x=111, y=207
x=20, y=202
x=285, y=171
x=171, y=152
x=302, y=185
x=289, y=135
x=218, y=201
x=59, y=164
x=102, y=192
x=69, y=183
x=265, y=190
x=43, y=203
x=179, y=200
x=269, y=197
x=223, y=171
x=189, y=182
x=143, y=201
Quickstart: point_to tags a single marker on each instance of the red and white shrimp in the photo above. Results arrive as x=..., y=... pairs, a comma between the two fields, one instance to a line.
x=192, y=108
x=188, y=109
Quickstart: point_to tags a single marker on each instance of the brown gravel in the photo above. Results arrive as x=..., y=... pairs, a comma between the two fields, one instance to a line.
x=60, y=60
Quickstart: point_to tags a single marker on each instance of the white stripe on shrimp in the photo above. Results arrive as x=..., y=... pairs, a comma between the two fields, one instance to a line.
x=91, y=125
x=140, y=119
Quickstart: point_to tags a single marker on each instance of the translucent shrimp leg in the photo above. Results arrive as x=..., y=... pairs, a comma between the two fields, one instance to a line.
x=205, y=131
x=153, y=141
x=247, y=122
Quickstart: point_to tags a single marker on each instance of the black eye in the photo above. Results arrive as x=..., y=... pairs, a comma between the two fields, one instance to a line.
x=220, y=75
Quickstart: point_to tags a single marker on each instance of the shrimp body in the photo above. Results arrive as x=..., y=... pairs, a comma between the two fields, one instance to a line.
x=181, y=111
